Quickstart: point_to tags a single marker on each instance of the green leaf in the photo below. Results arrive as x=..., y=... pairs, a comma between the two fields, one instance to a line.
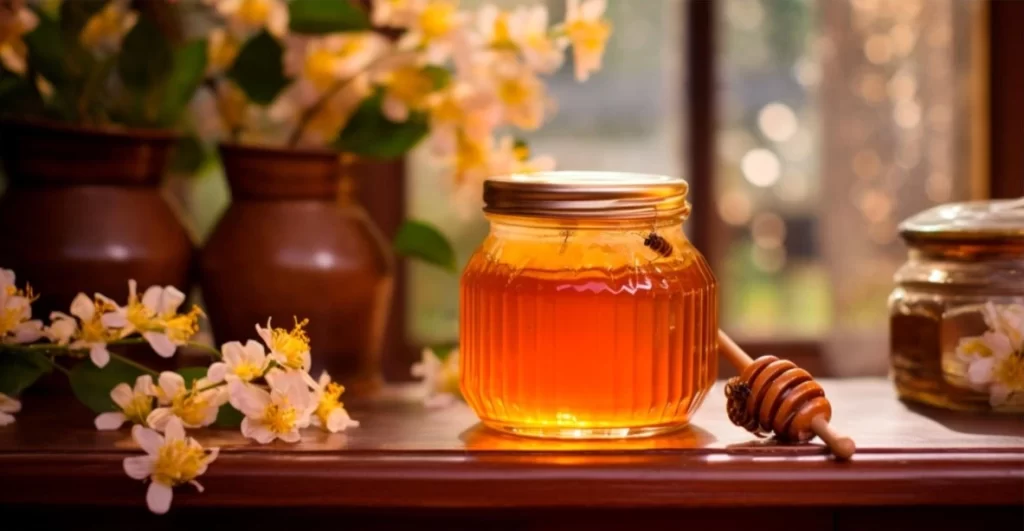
x=421, y=240
x=443, y=351
x=186, y=75
x=188, y=156
x=228, y=417
x=370, y=134
x=259, y=69
x=440, y=76
x=92, y=385
x=46, y=50
x=326, y=16
x=145, y=58
x=19, y=370
x=191, y=374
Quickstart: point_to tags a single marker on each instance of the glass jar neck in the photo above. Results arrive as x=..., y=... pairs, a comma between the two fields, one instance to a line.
x=514, y=225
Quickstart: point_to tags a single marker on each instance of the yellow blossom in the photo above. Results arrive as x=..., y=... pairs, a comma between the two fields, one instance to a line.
x=156, y=317
x=289, y=348
x=87, y=332
x=406, y=89
x=222, y=49
x=194, y=406
x=15, y=21
x=171, y=460
x=136, y=404
x=278, y=414
x=330, y=413
x=247, y=16
x=104, y=30
x=16, y=323
x=522, y=95
x=588, y=32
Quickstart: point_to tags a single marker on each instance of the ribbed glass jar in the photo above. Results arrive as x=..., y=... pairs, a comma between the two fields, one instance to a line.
x=586, y=327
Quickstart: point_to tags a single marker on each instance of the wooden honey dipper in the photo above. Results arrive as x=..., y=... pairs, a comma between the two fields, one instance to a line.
x=775, y=396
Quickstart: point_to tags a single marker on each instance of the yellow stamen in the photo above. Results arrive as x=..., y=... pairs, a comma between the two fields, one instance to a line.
x=329, y=401
x=247, y=371
x=589, y=36
x=1010, y=371
x=280, y=418
x=139, y=408
x=293, y=345
x=190, y=407
x=410, y=85
x=253, y=12
x=177, y=463
x=437, y=20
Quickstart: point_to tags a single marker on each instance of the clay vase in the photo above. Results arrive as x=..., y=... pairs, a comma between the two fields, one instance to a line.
x=294, y=245
x=83, y=212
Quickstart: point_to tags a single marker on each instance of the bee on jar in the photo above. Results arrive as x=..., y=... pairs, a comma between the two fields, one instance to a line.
x=658, y=244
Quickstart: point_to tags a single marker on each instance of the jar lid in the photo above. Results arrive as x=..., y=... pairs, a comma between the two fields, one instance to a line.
x=1000, y=219
x=587, y=195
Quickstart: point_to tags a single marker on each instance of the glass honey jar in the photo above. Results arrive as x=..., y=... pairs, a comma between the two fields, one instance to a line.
x=957, y=312
x=586, y=312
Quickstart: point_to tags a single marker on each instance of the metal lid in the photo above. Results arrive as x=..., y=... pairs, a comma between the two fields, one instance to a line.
x=587, y=195
x=969, y=221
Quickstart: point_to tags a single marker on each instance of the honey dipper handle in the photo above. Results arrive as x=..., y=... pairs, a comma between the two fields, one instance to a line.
x=842, y=446
x=732, y=352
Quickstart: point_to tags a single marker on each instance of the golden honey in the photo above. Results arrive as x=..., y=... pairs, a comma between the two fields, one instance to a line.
x=579, y=327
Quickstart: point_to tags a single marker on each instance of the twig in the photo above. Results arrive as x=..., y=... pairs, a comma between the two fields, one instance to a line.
x=135, y=364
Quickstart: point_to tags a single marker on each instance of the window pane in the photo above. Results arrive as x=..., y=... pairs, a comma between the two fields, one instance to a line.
x=837, y=120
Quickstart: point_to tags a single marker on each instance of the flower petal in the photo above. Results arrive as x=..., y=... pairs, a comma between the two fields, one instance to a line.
x=171, y=298
x=158, y=497
x=122, y=395
x=99, y=355
x=151, y=298
x=159, y=417
x=290, y=437
x=250, y=400
x=6, y=419
x=174, y=431
x=338, y=420
x=979, y=372
x=109, y=421
x=171, y=383
x=232, y=352
x=9, y=405
x=254, y=353
x=114, y=320
x=144, y=385
x=139, y=467
x=149, y=440
x=160, y=343
x=216, y=372
x=28, y=331
x=256, y=431
x=82, y=307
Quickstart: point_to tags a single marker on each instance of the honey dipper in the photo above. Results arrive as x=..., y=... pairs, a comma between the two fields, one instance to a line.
x=775, y=396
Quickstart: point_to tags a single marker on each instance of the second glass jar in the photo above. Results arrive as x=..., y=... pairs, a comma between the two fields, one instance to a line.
x=584, y=322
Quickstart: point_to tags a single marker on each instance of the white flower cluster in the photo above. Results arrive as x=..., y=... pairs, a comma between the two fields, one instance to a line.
x=995, y=359
x=268, y=383
x=470, y=74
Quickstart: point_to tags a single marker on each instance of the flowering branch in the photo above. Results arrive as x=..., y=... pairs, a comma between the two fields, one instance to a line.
x=268, y=395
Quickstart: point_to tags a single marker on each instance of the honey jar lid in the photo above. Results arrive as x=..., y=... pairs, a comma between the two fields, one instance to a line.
x=1000, y=219
x=586, y=195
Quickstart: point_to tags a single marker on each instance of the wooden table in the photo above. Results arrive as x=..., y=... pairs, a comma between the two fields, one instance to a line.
x=916, y=468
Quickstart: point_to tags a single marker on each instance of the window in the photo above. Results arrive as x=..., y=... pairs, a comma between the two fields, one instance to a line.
x=834, y=120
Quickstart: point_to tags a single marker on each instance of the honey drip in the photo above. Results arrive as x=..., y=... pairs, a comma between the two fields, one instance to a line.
x=578, y=337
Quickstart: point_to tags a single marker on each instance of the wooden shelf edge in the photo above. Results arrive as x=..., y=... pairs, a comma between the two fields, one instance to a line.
x=662, y=480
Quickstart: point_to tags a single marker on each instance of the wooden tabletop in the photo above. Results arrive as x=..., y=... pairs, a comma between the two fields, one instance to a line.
x=406, y=456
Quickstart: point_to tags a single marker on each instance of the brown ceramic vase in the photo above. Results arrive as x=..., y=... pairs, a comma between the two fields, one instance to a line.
x=293, y=244
x=83, y=212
